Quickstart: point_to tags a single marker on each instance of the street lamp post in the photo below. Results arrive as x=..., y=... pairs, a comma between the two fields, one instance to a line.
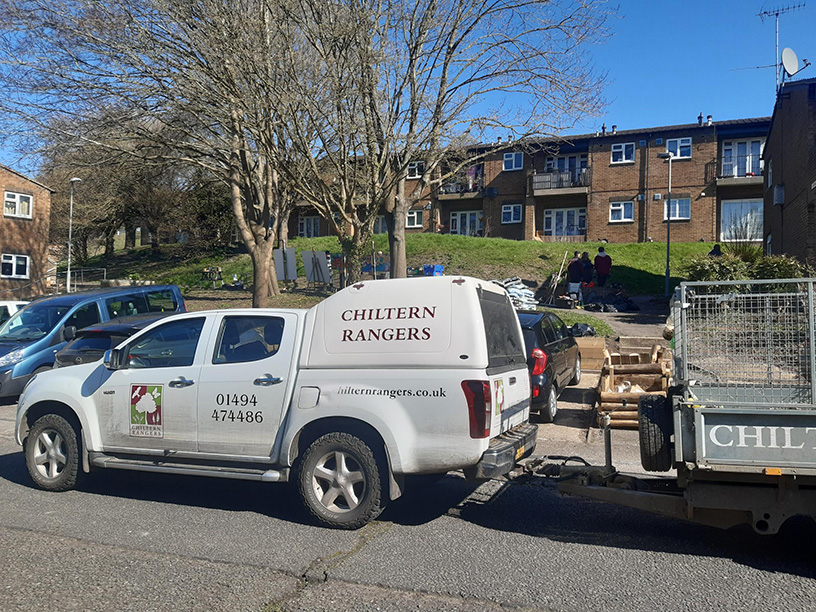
x=70, y=234
x=668, y=155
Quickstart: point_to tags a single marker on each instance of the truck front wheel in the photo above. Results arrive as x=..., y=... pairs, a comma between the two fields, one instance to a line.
x=655, y=428
x=52, y=453
x=339, y=481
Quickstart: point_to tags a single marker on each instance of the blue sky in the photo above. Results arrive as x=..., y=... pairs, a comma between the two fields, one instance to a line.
x=668, y=61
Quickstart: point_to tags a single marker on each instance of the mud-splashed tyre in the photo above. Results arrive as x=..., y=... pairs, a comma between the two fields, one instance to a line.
x=52, y=453
x=339, y=481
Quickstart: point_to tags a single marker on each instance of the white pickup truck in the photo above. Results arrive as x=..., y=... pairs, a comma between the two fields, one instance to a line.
x=380, y=380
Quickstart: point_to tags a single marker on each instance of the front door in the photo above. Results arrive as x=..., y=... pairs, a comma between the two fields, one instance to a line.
x=150, y=402
x=244, y=383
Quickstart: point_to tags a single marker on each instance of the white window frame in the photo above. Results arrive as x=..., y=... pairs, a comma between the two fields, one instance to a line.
x=416, y=169
x=304, y=223
x=414, y=219
x=15, y=199
x=380, y=226
x=752, y=161
x=675, y=204
x=15, y=261
x=620, y=207
x=675, y=146
x=756, y=217
x=456, y=229
x=514, y=212
x=549, y=220
x=513, y=161
x=625, y=151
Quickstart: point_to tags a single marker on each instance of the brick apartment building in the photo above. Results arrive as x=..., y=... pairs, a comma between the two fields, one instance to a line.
x=611, y=186
x=790, y=164
x=23, y=235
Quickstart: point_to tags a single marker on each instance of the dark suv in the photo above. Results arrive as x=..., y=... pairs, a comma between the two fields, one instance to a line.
x=553, y=359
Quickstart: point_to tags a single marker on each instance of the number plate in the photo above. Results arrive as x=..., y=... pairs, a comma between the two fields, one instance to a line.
x=520, y=452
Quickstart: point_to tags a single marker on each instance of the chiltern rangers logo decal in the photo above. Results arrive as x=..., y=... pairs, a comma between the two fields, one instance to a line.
x=146, y=411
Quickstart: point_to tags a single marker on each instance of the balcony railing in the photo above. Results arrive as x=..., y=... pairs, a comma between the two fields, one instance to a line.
x=578, y=177
x=466, y=185
x=734, y=167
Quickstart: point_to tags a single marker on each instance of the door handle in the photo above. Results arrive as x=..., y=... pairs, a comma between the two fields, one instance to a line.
x=267, y=381
x=512, y=380
x=181, y=382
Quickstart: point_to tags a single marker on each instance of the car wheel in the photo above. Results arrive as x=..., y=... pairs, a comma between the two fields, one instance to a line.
x=339, y=481
x=550, y=409
x=52, y=453
x=655, y=430
x=576, y=375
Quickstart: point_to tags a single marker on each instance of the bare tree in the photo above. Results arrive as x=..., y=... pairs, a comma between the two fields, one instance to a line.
x=393, y=83
x=196, y=81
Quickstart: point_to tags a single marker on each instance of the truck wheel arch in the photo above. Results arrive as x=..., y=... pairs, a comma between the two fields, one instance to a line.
x=40, y=409
x=366, y=432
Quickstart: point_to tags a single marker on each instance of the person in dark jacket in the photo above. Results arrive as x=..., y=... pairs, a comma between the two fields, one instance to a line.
x=715, y=251
x=603, y=266
x=574, y=269
x=587, y=269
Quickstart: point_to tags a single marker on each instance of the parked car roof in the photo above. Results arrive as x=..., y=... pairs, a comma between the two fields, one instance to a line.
x=528, y=318
x=69, y=299
x=123, y=325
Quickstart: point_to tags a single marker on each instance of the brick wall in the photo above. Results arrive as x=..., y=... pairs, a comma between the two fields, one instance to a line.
x=22, y=236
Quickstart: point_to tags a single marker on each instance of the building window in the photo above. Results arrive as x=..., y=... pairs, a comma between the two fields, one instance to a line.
x=380, y=226
x=414, y=219
x=770, y=174
x=416, y=169
x=565, y=222
x=513, y=161
x=741, y=220
x=511, y=213
x=680, y=209
x=679, y=147
x=17, y=205
x=467, y=223
x=658, y=141
x=308, y=227
x=742, y=157
x=14, y=266
x=623, y=153
x=620, y=212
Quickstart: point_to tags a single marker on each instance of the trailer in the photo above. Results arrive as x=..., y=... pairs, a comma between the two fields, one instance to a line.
x=737, y=424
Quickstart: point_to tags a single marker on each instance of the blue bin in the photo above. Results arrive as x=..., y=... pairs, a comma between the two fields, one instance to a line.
x=434, y=270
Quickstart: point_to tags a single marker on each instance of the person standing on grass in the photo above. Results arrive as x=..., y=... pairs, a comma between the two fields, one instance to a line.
x=587, y=269
x=603, y=266
x=574, y=268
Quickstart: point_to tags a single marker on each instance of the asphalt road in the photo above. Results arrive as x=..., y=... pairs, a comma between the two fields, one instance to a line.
x=130, y=541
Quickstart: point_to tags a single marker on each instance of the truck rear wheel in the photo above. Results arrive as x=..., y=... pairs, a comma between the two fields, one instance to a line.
x=52, y=453
x=339, y=481
x=655, y=428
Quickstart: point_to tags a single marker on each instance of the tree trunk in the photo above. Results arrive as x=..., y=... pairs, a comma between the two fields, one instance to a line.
x=396, y=233
x=355, y=250
x=109, y=244
x=130, y=236
x=264, y=281
x=283, y=229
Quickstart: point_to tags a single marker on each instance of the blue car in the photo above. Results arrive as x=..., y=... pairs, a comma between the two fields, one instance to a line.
x=30, y=339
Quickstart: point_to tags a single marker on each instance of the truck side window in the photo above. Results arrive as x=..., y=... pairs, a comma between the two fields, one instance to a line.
x=248, y=338
x=170, y=345
x=161, y=301
x=126, y=305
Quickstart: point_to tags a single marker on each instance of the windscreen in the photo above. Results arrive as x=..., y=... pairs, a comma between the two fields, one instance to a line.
x=505, y=347
x=32, y=323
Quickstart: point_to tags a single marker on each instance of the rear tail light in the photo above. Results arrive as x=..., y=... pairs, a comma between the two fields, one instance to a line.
x=540, y=364
x=477, y=394
x=536, y=390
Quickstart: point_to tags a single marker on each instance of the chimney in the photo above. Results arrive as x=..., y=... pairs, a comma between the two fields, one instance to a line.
x=614, y=129
x=700, y=119
x=498, y=140
x=510, y=138
x=710, y=119
x=603, y=130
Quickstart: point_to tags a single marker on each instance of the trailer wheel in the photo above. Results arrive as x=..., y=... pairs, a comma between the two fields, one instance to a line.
x=340, y=482
x=655, y=428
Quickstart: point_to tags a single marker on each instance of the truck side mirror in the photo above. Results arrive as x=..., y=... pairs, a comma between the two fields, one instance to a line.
x=112, y=359
x=69, y=333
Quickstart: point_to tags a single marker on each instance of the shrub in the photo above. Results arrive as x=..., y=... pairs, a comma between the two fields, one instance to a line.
x=780, y=266
x=749, y=252
x=726, y=267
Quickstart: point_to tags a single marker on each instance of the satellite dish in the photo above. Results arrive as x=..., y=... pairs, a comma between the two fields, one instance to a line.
x=789, y=61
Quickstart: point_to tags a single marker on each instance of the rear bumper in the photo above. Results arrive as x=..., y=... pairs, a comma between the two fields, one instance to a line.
x=504, y=451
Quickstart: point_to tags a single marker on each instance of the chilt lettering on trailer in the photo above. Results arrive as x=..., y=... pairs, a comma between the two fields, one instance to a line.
x=388, y=334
